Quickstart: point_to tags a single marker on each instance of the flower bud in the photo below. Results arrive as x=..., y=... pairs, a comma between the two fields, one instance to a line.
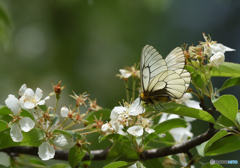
x=217, y=59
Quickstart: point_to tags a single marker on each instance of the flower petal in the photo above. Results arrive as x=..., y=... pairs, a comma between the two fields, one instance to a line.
x=149, y=130
x=28, y=105
x=136, y=108
x=218, y=47
x=46, y=151
x=29, y=93
x=135, y=130
x=64, y=112
x=38, y=94
x=117, y=110
x=22, y=89
x=4, y=159
x=16, y=133
x=63, y=141
x=26, y=124
x=13, y=104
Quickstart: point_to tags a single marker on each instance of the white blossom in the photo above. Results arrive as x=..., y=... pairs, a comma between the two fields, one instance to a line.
x=22, y=89
x=16, y=133
x=125, y=74
x=46, y=151
x=29, y=100
x=217, y=59
x=63, y=141
x=141, y=125
x=23, y=123
x=107, y=128
x=218, y=47
x=13, y=104
x=64, y=112
x=135, y=130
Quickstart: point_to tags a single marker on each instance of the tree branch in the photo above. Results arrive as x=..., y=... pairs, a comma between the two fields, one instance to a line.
x=102, y=154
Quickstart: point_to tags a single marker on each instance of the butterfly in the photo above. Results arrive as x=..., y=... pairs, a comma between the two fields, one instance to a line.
x=162, y=79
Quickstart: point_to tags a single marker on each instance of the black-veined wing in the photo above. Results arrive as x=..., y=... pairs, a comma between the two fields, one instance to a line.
x=167, y=83
x=161, y=77
x=151, y=64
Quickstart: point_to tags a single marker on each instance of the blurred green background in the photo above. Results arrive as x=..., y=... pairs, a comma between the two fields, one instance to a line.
x=84, y=43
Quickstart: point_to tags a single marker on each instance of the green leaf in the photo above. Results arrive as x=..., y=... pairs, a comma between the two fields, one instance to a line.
x=223, y=121
x=5, y=111
x=37, y=161
x=227, y=69
x=121, y=151
x=104, y=113
x=153, y=163
x=150, y=137
x=230, y=82
x=75, y=155
x=191, y=112
x=31, y=138
x=3, y=125
x=170, y=124
x=60, y=165
x=238, y=118
x=208, y=165
x=200, y=148
x=217, y=136
x=227, y=105
x=116, y=164
x=114, y=137
x=224, y=145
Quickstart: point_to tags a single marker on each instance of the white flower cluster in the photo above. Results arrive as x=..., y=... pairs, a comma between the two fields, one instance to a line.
x=122, y=119
x=215, y=51
x=29, y=101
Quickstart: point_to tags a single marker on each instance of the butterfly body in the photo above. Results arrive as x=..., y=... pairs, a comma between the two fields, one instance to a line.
x=162, y=79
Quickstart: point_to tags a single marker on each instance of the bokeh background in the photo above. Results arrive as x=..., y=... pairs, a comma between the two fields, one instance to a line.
x=84, y=43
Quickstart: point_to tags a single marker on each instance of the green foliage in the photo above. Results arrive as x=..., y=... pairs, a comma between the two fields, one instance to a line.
x=191, y=112
x=224, y=145
x=31, y=138
x=227, y=69
x=227, y=105
x=121, y=151
x=75, y=155
x=170, y=124
x=204, y=147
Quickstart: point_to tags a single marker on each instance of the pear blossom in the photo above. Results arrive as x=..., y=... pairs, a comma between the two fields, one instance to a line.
x=63, y=141
x=212, y=47
x=218, y=47
x=22, y=89
x=64, y=112
x=107, y=128
x=142, y=124
x=125, y=73
x=19, y=123
x=46, y=151
x=121, y=116
x=217, y=59
x=29, y=100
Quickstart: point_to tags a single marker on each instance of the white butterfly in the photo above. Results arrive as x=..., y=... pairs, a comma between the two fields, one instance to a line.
x=162, y=78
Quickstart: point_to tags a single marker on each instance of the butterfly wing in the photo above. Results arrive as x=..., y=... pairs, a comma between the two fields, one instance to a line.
x=176, y=61
x=161, y=77
x=167, y=83
x=151, y=64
